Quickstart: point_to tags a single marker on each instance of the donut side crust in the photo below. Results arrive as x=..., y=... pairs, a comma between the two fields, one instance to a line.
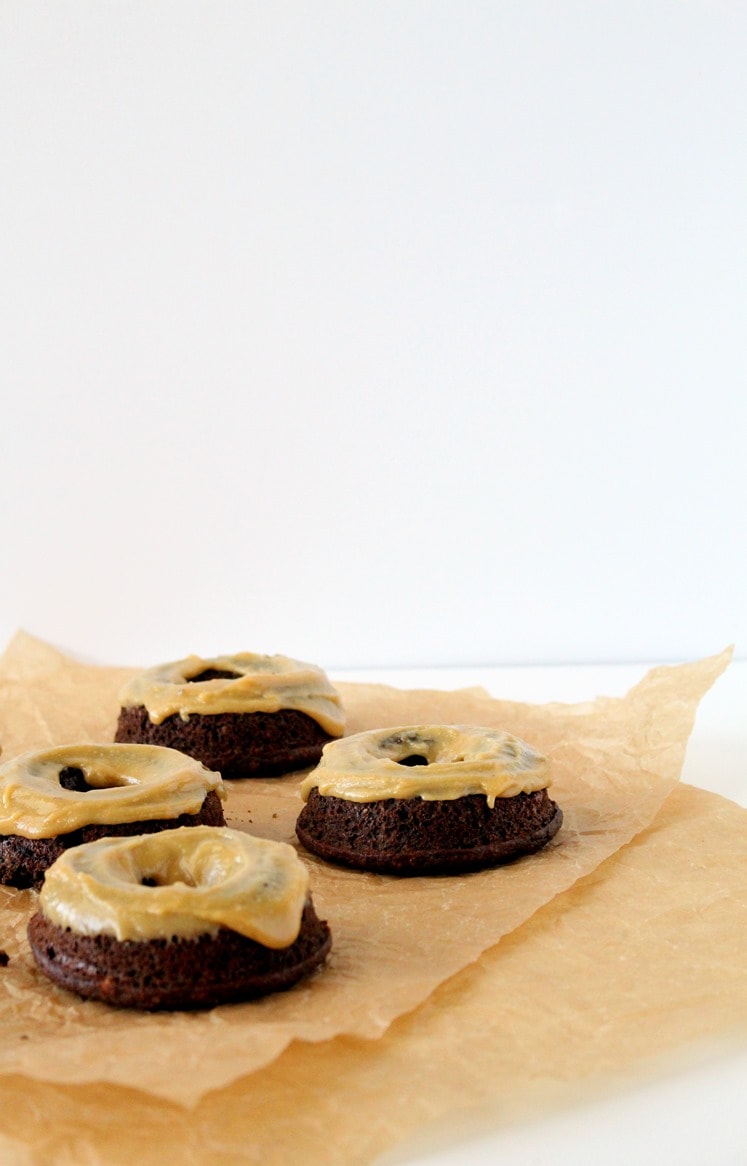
x=23, y=861
x=411, y=836
x=176, y=973
x=237, y=745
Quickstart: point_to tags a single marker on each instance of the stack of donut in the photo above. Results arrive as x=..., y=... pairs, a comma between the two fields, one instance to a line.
x=148, y=900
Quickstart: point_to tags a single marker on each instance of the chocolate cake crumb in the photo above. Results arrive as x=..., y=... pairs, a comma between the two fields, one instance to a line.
x=236, y=745
x=176, y=973
x=410, y=836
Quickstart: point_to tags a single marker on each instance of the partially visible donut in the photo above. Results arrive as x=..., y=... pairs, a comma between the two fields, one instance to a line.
x=427, y=799
x=189, y=918
x=244, y=715
x=52, y=799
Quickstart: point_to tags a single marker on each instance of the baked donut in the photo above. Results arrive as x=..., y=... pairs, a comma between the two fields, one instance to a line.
x=52, y=799
x=188, y=918
x=426, y=799
x=244, y=715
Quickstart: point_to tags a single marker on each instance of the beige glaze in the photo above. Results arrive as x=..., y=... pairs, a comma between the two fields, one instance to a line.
x=263, y=684
x=461, y=760
x=132, y=783
x=206, y=877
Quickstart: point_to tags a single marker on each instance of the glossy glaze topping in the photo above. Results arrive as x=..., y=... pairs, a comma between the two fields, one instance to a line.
x=246, y=682
x=434, y=762
x=54, y=791
x=179, y=883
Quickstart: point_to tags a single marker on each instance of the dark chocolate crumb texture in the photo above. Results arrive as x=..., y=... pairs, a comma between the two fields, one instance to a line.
x=176, y=973
x=413, y=836
x=236, y=745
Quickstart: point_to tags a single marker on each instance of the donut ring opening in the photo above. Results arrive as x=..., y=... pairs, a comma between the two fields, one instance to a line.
x=212, y=674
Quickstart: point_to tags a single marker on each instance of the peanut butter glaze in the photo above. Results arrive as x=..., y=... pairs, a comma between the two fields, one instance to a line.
x=258, y=684
x=121, y=783
x=180, y=883
x=433, y=762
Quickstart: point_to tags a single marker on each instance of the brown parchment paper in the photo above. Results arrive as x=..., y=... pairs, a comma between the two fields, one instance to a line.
x=395, y=941
x=639, y=958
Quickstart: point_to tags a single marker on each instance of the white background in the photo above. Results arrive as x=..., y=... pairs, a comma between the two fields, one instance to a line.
x=392, y=333
x=388, y=334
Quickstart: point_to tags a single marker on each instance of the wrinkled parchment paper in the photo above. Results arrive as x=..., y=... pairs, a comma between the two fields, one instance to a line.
x=638, y=958
x=397, y=942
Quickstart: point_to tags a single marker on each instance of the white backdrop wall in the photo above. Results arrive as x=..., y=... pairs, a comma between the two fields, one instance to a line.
x=374, y=333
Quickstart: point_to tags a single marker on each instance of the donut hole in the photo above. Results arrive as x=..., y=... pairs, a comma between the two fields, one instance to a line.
x=213, y=674
x=168, y=876
x=409, y=748
x=161, y=860
x=74, y=779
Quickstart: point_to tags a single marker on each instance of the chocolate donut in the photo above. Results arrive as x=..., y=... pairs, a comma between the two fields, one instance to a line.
x=427, y=799
x=186, y=919
x=244, y=715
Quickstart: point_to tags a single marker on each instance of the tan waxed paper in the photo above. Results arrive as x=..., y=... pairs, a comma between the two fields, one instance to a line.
x=614, y=760
x=598, y=988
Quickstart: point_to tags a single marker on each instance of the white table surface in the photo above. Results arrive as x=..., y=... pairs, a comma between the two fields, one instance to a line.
x=694, y=1114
